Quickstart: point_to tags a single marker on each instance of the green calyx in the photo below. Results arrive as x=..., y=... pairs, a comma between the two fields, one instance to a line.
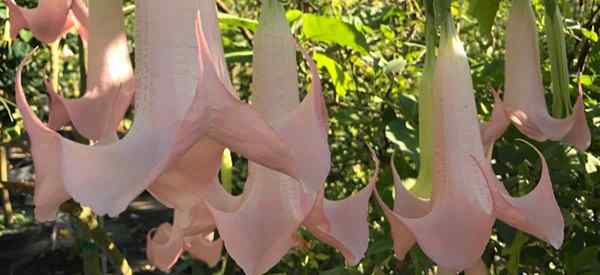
x=555, y=38
x=423, y=188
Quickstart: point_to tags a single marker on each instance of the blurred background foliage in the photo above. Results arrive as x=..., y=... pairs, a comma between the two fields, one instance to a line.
x=371, y=55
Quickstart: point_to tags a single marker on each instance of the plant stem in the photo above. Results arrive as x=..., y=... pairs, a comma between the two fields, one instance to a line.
x=6, y=204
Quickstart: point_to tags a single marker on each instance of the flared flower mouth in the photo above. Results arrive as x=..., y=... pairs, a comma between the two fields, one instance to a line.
x=466, y=195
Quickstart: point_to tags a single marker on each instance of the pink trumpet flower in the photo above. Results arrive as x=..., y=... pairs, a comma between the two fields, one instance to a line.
x=180, y=101
x=524, y=99
x=262, y=229
x=260, y=226
x=50, y=20
x=454, y=226
x=110, y=82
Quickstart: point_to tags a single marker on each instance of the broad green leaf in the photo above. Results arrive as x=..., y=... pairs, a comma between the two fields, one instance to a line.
x=485, y=11
x=341, y=79
x=333, y=30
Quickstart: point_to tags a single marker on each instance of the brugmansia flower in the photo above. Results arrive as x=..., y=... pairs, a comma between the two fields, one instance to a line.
x=50, y=20
x=110, y=82
x=524, y=99
x=181, y=102
x=454, y=226
x=260, y=226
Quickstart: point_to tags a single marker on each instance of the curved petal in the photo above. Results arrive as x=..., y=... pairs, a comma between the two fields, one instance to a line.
x=524, y=96
x=493, y=129
x=109, y=79
x=164, y=245
x=262, y=230
x=537, y=213
x=47, y=22
x=80, y=18
x=348, y=227
x=49, y=191
x=200, y=247
x=406, y=204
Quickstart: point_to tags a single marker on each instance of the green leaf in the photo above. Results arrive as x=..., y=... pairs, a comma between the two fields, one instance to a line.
x=589, y=34
x=293, y=15
x=341, y=79
x=485, y=11
x=333, y=30
x=237, y=22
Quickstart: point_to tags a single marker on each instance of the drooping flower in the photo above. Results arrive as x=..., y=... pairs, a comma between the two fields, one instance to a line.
x=454, y=226
x=180, y=102
x=524, y=99
x=50, y=20
x=110, y=82
x=260, y=226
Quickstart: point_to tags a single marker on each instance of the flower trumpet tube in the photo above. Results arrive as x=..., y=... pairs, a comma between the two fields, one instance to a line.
x=110, y=81
x=50, y=20
x=466, y=196
x=264, y=226
x=180, y=101
x=524, y=97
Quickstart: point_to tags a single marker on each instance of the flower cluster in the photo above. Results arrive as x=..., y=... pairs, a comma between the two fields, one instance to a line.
x=187, y=113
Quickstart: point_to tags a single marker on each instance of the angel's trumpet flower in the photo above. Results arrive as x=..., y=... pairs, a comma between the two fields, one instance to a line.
x=110, y=82
x=50, y=20
x=263, y=228
x=453, y=227
x=180, y=101
x=524, y=97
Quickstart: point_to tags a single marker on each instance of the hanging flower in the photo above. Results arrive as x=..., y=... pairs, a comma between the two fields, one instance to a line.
x=171, y=117
x=524, y=99
x=260, y=226
x=50, y=20
x=454, y=226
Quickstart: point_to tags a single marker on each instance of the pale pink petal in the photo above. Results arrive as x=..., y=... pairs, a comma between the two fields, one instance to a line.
x=348, y=229
x=80, y=17
x=110, y=83
x=204, y=249
x=407, y=204
x=49, y=192
x=210, y=26
x=47, y=22
x=493, y=129
x=164, y=246
x=479, y=268
x=524, y=98
x=536, y=213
